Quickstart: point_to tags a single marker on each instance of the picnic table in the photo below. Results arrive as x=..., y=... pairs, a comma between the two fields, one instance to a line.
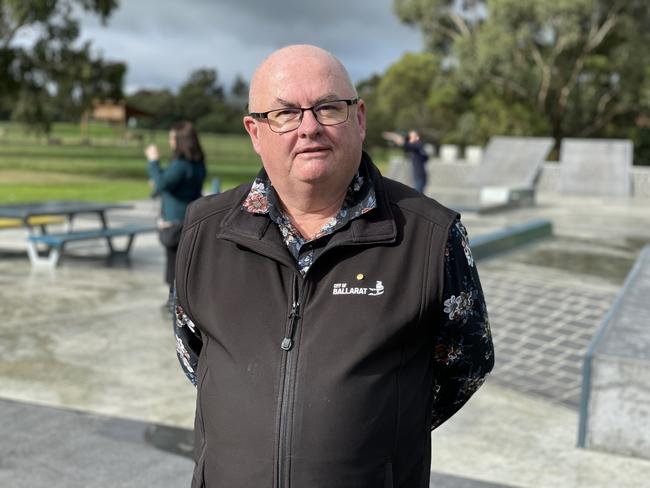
x=29, y=213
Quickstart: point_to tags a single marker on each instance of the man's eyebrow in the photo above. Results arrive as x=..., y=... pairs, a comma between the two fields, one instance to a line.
x=325, y=98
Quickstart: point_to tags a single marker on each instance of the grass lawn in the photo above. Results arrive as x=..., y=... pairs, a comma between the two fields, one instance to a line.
x=109, y=167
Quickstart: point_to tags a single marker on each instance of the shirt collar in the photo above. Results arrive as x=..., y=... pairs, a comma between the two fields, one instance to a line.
x=262, y=199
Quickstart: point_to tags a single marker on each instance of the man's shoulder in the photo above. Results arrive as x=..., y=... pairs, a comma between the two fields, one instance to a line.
x=414, y=204
x=215, y=206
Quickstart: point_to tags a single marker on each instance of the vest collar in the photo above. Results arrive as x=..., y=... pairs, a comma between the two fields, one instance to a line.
x=374, y=227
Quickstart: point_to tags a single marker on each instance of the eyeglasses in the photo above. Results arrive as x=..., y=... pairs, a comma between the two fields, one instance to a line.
x=333, y=112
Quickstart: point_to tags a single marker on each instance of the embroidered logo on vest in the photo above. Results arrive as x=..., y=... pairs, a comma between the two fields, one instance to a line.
x=344, y=289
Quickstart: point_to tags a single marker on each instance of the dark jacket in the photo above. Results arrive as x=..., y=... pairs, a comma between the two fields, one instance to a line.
x=324, y=380
x=178, y=184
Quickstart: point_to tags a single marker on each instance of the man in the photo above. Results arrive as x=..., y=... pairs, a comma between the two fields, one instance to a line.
x=328, y=316
x=415, y=149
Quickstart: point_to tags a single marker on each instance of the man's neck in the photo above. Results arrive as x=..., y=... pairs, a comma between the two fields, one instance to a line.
x=310, y=212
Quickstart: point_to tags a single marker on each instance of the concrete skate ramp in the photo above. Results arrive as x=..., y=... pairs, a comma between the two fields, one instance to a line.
x=596, y=167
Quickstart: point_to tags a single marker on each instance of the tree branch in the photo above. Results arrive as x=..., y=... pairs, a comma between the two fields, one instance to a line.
x=601, y=122
x=11, y=32
x=546, y=76
x=518, y=89
x=452, y=34
x=602, y=32
x=603, y=101
x=460, y=23
x=595, y=38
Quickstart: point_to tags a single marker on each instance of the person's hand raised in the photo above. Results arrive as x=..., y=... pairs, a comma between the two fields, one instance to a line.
x=151, y=153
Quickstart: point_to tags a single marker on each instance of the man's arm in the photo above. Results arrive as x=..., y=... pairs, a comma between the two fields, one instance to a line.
x=463, y=351
x=188, y=342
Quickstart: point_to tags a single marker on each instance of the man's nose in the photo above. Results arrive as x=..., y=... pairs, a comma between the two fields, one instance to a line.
x=310, y=124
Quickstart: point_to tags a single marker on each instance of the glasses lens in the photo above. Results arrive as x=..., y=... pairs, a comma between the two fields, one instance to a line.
x=327, y=113
x=332, y=113
x=285, y=119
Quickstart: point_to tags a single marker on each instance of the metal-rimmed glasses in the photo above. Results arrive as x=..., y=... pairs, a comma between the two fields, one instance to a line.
x=332, y=112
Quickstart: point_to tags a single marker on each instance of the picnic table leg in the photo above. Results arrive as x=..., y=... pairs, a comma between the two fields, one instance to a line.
x=121, y=252
x=35, y=258
x=51, y=260
x=68, y=224
x=109, y=243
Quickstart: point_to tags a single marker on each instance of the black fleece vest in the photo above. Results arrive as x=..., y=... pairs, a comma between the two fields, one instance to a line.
x=316, y=381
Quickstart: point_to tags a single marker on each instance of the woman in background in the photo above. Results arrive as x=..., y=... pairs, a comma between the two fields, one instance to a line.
x=178, y=184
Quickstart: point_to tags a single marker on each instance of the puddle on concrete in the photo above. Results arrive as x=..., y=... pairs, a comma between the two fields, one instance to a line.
x=609, y=261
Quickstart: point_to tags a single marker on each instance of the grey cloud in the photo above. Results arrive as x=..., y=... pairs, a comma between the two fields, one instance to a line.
x=162, y=41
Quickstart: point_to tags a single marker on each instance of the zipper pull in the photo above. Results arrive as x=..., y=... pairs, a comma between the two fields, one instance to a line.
x=287, y=342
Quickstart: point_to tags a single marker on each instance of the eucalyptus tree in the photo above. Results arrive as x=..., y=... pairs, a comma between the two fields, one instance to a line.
x=565, y=67
x=44, y=73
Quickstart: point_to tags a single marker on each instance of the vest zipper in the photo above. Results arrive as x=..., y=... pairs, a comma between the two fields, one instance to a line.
x=287, y=388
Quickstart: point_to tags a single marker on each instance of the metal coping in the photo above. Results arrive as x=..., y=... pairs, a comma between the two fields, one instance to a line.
x=595, y=341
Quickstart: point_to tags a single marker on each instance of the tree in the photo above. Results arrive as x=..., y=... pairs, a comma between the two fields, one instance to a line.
x=405, y=87
x=53, y=77
x=200, y=99
x=199, y=95
x=160, y=103
x=376, y=119
x=238, y=96
x=569, y=67
x=18, y=15
x=415, y=92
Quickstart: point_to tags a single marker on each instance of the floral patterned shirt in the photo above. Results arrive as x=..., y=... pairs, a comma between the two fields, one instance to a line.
x=462, y=349
x=263, y=200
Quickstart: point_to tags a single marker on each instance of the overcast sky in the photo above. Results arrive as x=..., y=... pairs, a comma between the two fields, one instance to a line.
x=162, y=41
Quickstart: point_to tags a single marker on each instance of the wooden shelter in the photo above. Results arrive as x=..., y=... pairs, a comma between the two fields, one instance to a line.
x=115, y=113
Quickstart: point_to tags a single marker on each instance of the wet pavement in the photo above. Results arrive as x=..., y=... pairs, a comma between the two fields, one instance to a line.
x=87, y=363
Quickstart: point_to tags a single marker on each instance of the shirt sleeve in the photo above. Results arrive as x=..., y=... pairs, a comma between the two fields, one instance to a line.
x=188, y=342
x=463, y=351
x=168, y=178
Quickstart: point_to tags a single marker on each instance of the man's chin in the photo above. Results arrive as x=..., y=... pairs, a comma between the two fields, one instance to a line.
x=313, y=167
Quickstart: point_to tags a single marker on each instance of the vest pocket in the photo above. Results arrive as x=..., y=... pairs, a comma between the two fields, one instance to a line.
x=388, y=476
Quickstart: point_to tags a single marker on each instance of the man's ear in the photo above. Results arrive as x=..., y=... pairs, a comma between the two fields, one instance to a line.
x=251, y=126
x=361, y=118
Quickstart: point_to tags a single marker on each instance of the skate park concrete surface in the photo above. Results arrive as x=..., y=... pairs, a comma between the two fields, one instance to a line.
x=91, y=394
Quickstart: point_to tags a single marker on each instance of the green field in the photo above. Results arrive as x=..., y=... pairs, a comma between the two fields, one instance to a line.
x=106, y=165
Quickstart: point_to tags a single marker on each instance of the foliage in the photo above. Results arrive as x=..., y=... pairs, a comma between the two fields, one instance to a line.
x=376, y=121
x=574, y=68
x=199, y=94
x=160, y=103
x=201, y=99
x=405, y=86
x=52, y=79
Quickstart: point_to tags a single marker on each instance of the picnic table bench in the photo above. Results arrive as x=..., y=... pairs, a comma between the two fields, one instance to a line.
x=56, y=242
x=32, y=216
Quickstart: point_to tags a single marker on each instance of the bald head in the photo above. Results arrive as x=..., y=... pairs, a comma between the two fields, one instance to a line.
x=278, y=67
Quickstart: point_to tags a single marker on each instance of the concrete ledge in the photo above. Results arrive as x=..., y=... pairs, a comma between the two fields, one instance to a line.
x=509, y=237
x=615, y=404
